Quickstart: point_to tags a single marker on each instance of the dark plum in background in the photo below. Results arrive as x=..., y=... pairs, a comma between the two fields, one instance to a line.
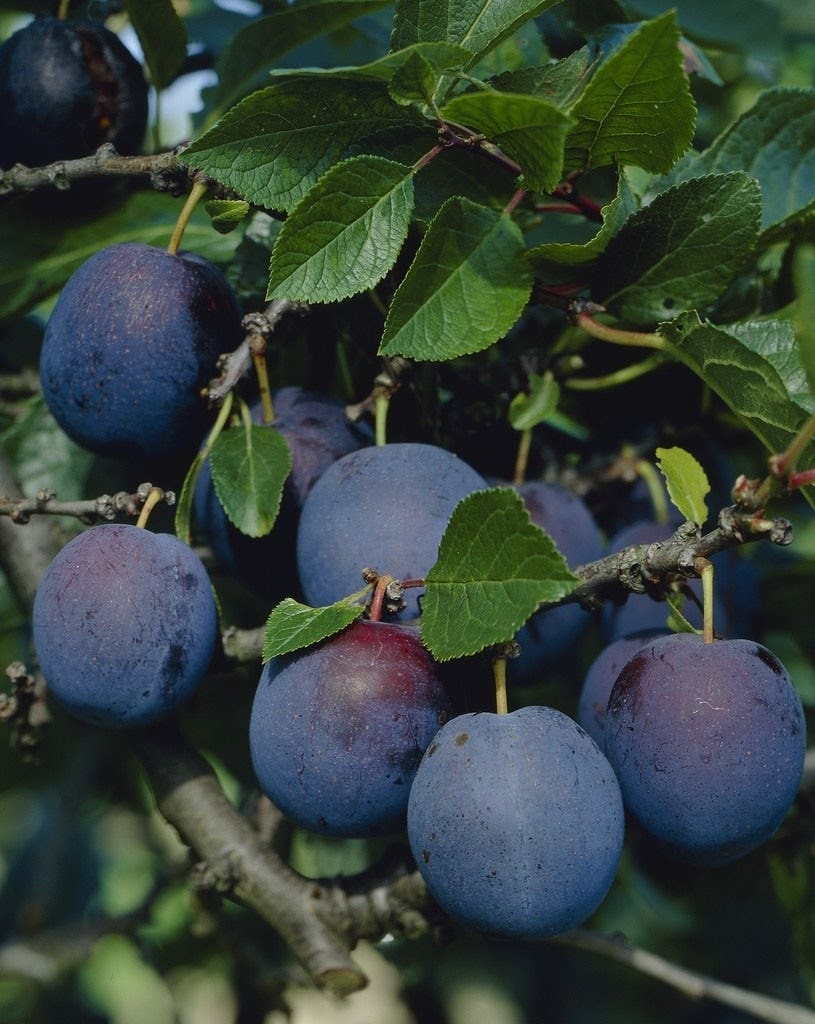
x=124, y=625
x=516, y=822
x=68, y=87
x=382, y=507
x=600, y=679
x=337, y=731
x=550, y=634
x=708, y=743
x=318, y=433
x=134, y=337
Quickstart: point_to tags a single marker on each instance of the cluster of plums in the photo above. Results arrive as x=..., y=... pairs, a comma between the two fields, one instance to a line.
x=515, y=821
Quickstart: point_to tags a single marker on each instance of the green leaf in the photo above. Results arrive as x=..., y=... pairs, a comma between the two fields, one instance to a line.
x=257, y=47
x=575, y=254
x=466, y=287
x=559, y=83
x=803, y=270
x=415, y=81
x=273, y=146
x=774, y=142
x=477, y=25
x=182, y=518
x=440, y=57
x=529, y=130
x=682, y=250
x=345, y=234
x=775, y=340
x=39, y=251
x=528, y=410
x=226, y=214
x=162, y=35
x=249, y=467
x=747, y=382
x=292, y=625
x=495, y=568
x=637, y=108
x=687, y=482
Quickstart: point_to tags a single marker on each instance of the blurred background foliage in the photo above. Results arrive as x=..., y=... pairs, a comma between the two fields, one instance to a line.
x=97, y=921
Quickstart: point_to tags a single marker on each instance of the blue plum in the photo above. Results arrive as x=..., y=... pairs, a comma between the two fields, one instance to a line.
x=134, y=337
x=708, y=743
x=124, y=625
x=68, y=87
x=516, y=822
x=337, y=731
x=381, y=507
x=600, y=678
x=549, y=634
x=318, y=433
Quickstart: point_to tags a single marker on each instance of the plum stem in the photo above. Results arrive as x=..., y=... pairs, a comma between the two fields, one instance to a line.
x=153, y=498
x=499, y=674
x=381, y=406
x=63, y=9
x=656, y=492
x=378, y=599
x=616, y=335
x=197, y=192
x=707, y=601
x=522, y=456
x=618, y=377
x=257, y=349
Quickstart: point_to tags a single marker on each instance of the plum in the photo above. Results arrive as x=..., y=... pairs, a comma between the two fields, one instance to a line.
x=550, y=633
x=516, y=822
x=67, y=88
x=380, y=507
x=318, y=433
x=708, y=742
x=124, y=625
x=337, y=730
x=600, y=678
x=133, y=338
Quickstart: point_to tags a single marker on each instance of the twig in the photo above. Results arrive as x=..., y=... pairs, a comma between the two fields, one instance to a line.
x=165, y=170
x=689, y=983
x=93, y=510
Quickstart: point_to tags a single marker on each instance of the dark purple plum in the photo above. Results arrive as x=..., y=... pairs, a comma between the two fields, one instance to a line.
x=516, y=822
x=548, y=635
x=318, y=433
x=380, y=507
x=600, y=679
x=134, y=337
x=708, y=743
x=337, y=731
x=124, y=625
x=68, y=87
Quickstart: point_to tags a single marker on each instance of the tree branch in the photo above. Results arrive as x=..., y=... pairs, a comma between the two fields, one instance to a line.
x=94, y=510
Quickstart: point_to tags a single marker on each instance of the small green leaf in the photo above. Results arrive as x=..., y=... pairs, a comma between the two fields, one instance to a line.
x=276, y=143
x=477, y=25
x=775, y=340
x=292, y=625
x=559, y=83
x=682, y=250
x=495, y=568
x=440, y=57
x=637, y=108
x=687, y=482
x=531, y=131
x=467, y=285
x=257, y=47
x=345, y=234
x=414, y=82
x=249, y=467
x=747, y=382
x=528, y=410
x=162, y=35
x=183, y=506
x=226, y=214
x=803, y=269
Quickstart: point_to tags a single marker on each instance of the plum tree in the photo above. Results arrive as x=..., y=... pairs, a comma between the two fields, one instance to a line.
x=567, y=520
x=134, y=336
x=516, y=822
x=318, y=433
x=124, y=625
x=337, y=731
x=382, y=507
x=68, y=87
x=600, y=679
x=708, y=742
